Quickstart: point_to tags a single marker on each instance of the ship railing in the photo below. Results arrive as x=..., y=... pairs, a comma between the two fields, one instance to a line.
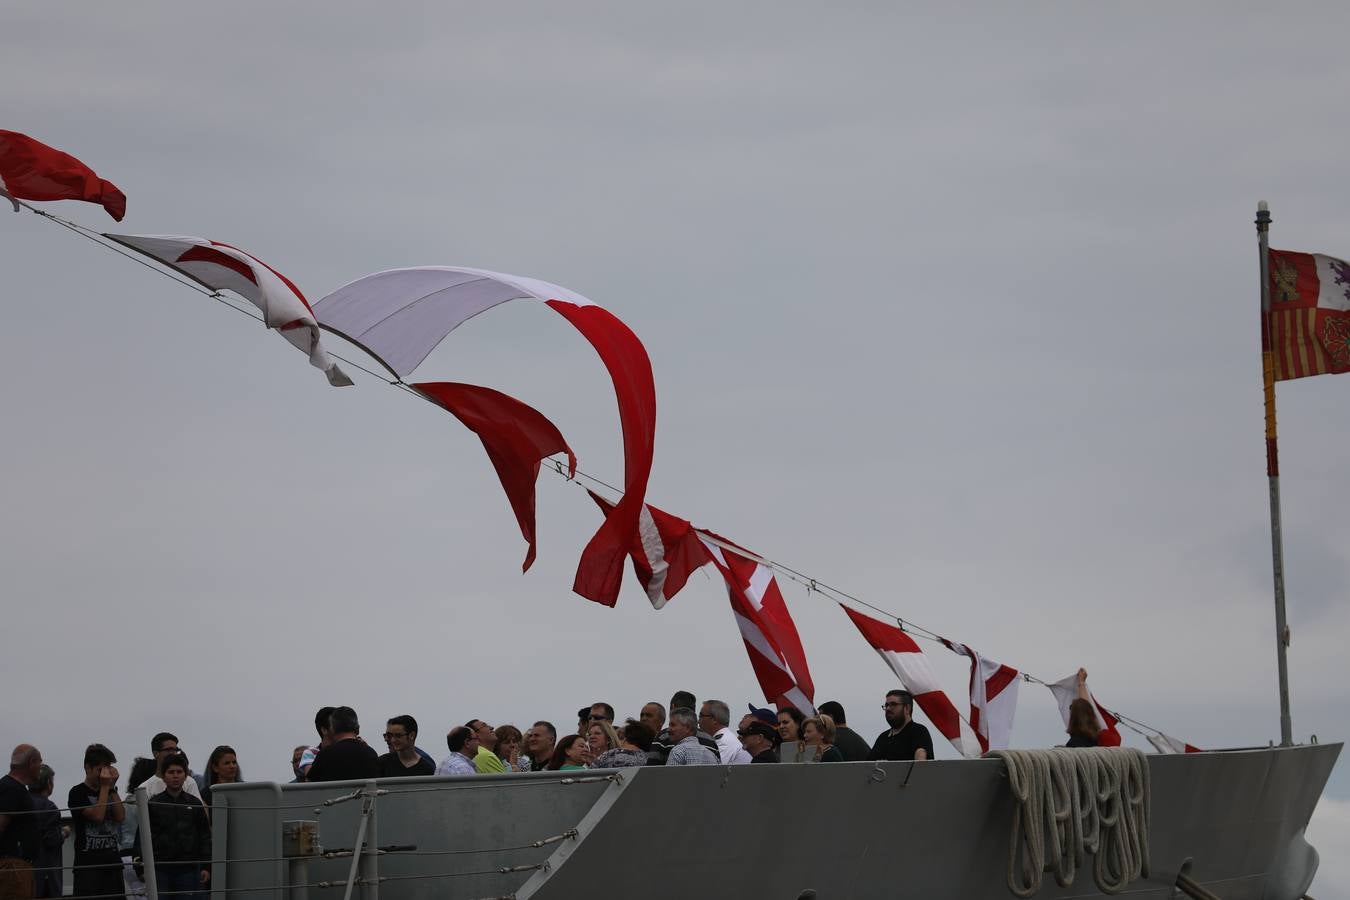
x=301, y=846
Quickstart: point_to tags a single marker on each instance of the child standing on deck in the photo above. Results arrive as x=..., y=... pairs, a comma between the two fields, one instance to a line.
x=96, y=810
x=181, y=834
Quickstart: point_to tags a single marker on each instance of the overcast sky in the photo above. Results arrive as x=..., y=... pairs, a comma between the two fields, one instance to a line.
x=956, y=311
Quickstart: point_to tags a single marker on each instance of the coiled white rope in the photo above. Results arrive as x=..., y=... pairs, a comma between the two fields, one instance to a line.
x=1068, y=801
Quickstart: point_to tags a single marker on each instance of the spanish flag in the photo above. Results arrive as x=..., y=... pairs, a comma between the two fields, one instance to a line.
x=1309, y=318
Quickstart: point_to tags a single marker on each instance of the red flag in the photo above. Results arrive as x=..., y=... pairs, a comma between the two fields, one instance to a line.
x=601, y=567
x=665, y=551
x=516, y=437
x=907, y=660
x=224, y=267
x=1165, y=743
x=668, y=549
x=31, y=170
x=993, y=697
x=400, y=315
x=770, y=635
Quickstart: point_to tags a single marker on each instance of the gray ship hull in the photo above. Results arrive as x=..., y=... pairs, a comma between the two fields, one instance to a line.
x=1232, y=820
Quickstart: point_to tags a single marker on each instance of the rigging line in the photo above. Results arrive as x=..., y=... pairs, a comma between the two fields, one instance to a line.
x=791, y=574
x=1128, y=722
x=813, y=584
x=97, y=237
x=91, y=235
x=794, y=575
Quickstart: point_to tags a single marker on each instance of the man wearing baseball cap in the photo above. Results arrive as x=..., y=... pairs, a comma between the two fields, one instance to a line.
x=759, y=739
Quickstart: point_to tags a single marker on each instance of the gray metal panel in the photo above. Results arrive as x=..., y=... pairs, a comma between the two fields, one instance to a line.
x=847, y=830
x=436, y=814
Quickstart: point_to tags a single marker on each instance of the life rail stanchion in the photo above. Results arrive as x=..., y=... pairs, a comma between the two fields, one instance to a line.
x=369, y=858
x=147, y=843
x=220, y=849
x=359, y=846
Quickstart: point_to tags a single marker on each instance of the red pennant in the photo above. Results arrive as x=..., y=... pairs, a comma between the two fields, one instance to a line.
x=516, y=437
x=31, y=170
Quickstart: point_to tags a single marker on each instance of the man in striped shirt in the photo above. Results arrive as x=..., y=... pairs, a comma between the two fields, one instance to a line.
x=687, y=750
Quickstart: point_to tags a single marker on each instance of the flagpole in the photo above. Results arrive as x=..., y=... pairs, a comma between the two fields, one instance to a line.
x=1273, y=476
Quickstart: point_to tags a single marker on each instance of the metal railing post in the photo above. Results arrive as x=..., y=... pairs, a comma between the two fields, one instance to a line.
x=220, y=849
x=367, y=802
x=147, y=843
x=370, y=862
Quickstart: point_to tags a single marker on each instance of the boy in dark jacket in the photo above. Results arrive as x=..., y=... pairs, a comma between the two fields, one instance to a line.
x=181, y=834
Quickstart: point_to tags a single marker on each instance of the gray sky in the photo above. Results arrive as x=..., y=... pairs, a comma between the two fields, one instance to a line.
x=954, y=310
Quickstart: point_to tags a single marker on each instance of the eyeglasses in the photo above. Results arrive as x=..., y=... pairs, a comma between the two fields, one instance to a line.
x=742, y=734
x=390, y=735
x=890, y=705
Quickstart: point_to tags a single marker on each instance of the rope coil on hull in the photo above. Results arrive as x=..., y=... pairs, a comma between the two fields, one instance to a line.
x=1068, y=801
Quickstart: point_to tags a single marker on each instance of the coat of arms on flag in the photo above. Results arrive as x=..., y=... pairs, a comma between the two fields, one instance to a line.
x=1309, y=318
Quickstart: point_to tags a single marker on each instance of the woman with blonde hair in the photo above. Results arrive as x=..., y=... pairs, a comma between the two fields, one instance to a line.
x=635, y=739
x=601, y=737
x=818, y=732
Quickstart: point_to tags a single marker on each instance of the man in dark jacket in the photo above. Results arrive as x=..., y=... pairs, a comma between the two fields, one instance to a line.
x=18, y=827
x=853, y=745
x=347, y=757
x=759, y=740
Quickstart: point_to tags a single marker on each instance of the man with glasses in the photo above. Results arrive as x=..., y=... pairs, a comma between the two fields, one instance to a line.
x=715, y=719
x=600, y=712
x=403, y=758
x=463, y=745
x=486, y=760
x=906, y=739
x=162, y=746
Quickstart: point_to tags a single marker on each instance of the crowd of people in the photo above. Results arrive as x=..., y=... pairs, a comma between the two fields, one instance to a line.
x=106, y=831
x=673, y=734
